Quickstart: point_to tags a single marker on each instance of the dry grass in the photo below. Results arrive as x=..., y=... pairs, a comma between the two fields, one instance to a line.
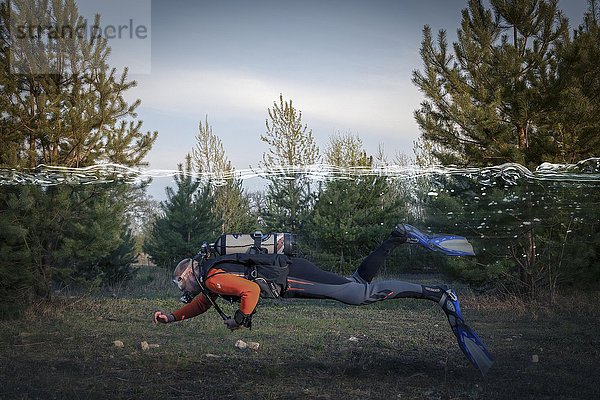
x=404, y=349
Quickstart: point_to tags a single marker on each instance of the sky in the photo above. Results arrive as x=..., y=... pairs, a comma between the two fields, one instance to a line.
x=345, y=64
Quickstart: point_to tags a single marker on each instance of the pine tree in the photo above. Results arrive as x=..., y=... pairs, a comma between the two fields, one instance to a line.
x=484, y=100
x=572, y=122
x=18, y=278
x=63, y=105
x=231, y=205
x=116, y=266
x=95, y=241
x=354, y=213
x=186, y=220
x=291, y=144
x=516, y=88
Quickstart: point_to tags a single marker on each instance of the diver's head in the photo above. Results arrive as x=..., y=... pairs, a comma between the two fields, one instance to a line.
x=185, y=279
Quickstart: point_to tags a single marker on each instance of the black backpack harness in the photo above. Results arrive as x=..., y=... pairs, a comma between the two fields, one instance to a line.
x=268, y=271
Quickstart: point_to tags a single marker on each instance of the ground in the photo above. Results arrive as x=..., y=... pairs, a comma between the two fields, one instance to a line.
x=401, y=349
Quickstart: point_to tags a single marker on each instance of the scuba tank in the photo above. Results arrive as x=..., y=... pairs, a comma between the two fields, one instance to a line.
x=257, y=242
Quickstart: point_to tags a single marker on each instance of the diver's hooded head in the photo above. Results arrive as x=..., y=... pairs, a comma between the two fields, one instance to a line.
x=185, y=276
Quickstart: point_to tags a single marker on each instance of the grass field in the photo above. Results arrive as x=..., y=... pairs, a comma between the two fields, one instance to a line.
x=404, y=350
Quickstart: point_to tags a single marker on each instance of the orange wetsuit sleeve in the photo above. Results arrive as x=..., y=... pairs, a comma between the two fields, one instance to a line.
x=234, y=285
x=196, y=307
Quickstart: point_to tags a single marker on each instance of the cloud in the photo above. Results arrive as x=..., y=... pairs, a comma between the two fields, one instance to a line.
x=374, y=104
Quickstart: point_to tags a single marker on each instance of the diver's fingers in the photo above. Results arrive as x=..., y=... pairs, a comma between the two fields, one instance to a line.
x=163, y=319
x=157, y=315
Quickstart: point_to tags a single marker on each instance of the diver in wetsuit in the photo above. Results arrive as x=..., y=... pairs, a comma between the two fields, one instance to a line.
x=306, y=280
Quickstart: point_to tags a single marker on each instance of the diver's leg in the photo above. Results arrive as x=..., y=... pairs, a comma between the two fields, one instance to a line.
x=360, y=294
x=373, y=262
x=307, y=280
x=355, y=293
x=300, y=268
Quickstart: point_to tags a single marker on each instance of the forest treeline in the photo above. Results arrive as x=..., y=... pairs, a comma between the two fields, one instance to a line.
x=518, y=85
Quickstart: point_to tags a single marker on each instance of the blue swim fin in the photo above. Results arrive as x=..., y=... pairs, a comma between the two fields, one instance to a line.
x=473, y=347
x=451, y=245
x=468, y=341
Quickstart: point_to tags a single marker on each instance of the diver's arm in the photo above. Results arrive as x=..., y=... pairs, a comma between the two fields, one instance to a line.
x=196, y=307
x=232, y=285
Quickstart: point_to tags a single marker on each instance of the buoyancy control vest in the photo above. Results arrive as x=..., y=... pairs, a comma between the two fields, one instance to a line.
x=268, y=271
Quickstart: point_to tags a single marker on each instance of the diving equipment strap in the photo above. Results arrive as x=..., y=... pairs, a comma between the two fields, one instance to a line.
x=206, y=292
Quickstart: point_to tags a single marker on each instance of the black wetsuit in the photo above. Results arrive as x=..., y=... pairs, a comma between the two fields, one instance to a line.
x=306, y=280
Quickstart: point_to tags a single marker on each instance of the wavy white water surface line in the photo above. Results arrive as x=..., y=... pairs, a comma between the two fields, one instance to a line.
x=509, y=173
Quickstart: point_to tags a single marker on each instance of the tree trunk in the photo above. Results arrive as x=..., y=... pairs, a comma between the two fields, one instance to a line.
x=523, y=140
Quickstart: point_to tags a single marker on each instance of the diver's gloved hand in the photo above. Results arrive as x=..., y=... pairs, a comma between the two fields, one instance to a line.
x=160, y=317
x=231, y=324
x=239, y=319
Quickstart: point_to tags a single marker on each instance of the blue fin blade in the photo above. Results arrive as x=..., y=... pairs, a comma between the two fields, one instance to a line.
x=473, y=347
x=451, y=245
